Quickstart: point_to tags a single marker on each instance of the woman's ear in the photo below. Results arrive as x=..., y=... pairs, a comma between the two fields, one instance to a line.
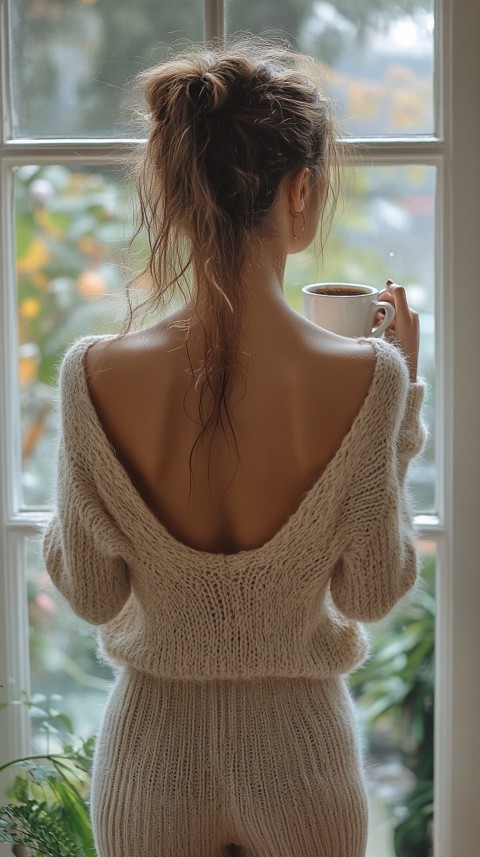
x=298, y=190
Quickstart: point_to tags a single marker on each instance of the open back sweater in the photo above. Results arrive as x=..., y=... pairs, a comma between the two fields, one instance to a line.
x=291, y=607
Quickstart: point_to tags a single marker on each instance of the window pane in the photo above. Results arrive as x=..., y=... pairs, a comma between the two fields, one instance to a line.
x=71, y=226
x=71, y=60
x=394, y=696
x=377, y=56
x=62, y=654
x=385, y=229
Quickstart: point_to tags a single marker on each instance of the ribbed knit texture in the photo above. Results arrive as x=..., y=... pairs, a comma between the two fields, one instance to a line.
x=183, y=768
x=287, y=608
x=230, y=720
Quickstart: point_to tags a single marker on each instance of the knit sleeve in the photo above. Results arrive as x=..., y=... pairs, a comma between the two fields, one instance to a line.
x=84, y=552
x=379, y=565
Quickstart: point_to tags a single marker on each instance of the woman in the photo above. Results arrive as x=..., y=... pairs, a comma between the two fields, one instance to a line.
x=231, y=488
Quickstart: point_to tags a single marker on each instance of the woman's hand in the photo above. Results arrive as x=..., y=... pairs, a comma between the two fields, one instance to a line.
x=404, y=331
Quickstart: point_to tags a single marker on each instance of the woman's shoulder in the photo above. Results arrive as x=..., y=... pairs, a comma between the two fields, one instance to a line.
x=373, y=360
x=386, y=396
x=374, y=376
x=357, y=366
x=90, y=357
x=74, y=394
x=366, y=352
x=391, y=356
x=353, y=370
x=75, y=356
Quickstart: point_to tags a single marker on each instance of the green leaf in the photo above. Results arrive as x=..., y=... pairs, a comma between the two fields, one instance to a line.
x=66, y=721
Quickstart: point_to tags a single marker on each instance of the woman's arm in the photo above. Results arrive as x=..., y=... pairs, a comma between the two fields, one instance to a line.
x=379, y=565
x=84, y=551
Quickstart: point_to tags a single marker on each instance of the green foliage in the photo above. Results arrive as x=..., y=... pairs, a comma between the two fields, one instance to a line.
x=413, y=836
x=40, y=827
x=398, y=682
x=49, y=809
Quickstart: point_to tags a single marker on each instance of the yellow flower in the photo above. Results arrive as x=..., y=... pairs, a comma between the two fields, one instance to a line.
x=35, y=258
x=30, y=307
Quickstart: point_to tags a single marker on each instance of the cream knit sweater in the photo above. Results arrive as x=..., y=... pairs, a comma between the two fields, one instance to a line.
x=291, y=607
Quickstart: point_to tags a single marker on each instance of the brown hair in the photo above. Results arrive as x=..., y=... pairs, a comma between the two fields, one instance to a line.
x=226, y=125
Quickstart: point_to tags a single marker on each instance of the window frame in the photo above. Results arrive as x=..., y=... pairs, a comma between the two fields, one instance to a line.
x=452, y=149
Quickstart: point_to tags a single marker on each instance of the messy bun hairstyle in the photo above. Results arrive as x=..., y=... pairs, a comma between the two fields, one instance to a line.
x=226, y=124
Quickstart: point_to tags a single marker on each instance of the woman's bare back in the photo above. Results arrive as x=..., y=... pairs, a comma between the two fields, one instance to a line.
x=303, y=390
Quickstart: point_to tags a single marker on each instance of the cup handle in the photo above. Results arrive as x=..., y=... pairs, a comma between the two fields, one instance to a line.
x=386, y=320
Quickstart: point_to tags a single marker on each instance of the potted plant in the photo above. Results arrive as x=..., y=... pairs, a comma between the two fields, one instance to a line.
x=48, y=813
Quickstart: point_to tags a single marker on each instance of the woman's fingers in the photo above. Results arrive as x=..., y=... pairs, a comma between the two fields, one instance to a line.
x=387, y=297
x=404, y=331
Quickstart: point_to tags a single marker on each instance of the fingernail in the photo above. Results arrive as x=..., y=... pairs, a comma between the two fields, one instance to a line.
x=389, y=282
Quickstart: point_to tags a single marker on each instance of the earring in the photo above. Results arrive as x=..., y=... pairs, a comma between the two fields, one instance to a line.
x=294, y=215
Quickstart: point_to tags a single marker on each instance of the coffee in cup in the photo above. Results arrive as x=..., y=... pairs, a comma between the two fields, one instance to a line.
x=348, y=309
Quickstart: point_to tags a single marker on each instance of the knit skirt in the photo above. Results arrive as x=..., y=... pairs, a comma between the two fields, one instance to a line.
x=268, y=767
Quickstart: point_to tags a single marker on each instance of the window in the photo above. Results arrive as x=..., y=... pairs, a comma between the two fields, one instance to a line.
x=409, y=106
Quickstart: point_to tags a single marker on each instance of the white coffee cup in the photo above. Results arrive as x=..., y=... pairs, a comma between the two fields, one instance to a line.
x=348, y=309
